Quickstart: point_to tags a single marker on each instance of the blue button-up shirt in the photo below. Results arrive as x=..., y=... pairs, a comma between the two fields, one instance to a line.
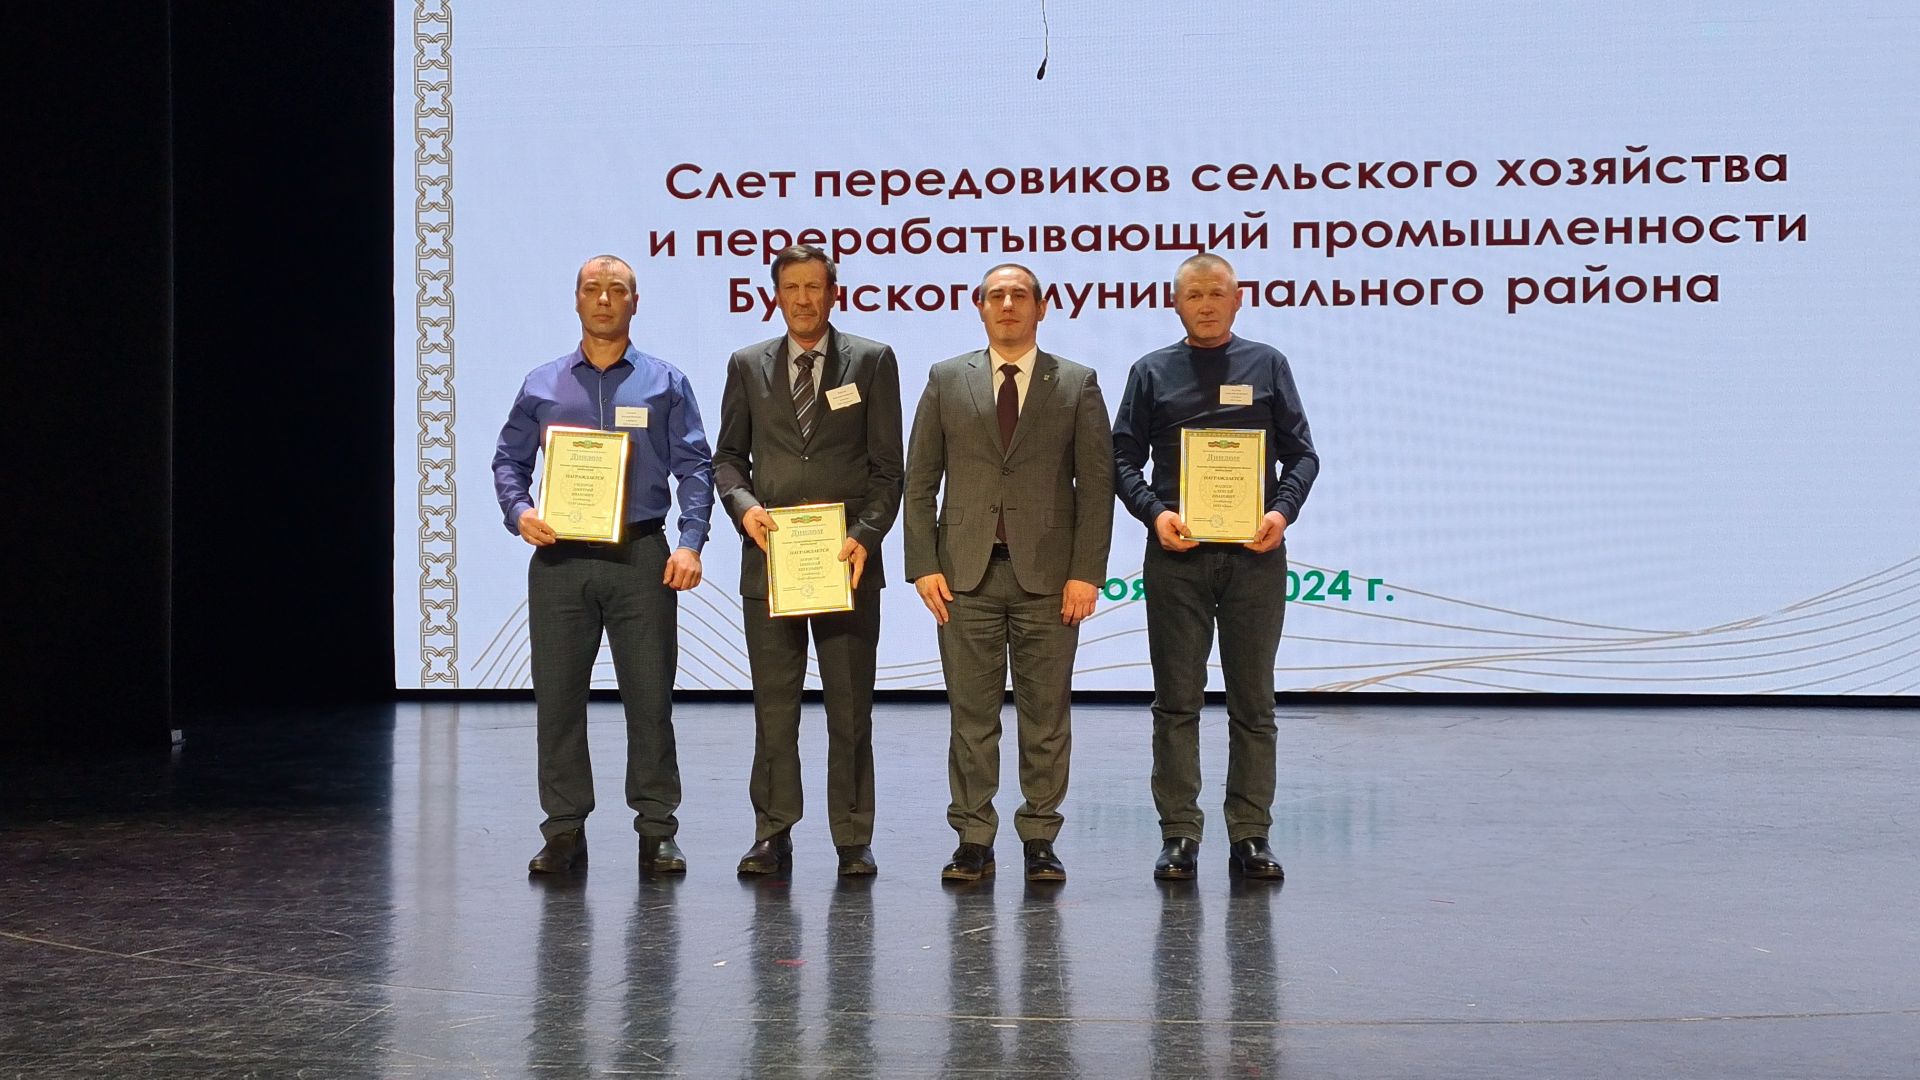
x=573, y=392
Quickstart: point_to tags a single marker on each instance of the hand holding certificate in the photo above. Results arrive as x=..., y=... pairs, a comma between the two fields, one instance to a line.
x=583, y=483
x=805, y=575
x=1223, y=483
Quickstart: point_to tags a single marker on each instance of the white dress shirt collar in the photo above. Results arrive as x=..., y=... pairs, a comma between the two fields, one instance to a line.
x=794, y=348
x=1024, y=361
x=794, y=352
x=1023, y=379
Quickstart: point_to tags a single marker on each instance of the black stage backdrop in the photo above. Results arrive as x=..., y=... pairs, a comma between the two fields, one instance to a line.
x=88, y=380
x=200, y=369
x=283, y=360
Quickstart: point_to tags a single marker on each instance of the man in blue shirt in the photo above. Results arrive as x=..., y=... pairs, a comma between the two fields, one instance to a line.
x=576, y=590
x=1212, y=379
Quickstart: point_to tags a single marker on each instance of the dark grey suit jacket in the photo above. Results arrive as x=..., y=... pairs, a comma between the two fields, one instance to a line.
x=1054, y=480
x=852, y=458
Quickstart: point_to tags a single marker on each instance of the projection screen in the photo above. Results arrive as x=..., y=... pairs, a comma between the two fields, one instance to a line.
x=1602, y=313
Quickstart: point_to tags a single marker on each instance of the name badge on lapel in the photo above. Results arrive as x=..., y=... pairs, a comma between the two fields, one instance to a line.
x=1236, y=395
x=842, y=396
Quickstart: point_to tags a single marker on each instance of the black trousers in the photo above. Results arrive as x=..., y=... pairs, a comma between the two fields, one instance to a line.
x=845, y=643
x=575, y=593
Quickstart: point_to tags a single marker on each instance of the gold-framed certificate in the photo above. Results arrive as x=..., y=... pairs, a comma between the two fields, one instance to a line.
x=1223, y=483
x=804, y=573
x=583, y=483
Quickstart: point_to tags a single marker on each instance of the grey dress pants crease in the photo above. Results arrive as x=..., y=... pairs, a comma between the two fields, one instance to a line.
x=985, y=626
x=577, y=592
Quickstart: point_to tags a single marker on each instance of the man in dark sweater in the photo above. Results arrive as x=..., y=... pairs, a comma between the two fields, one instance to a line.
x=1212, y=379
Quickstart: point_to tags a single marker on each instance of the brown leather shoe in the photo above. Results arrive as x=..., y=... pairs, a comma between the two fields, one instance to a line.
x=561, y=853
x=971, y=862
x=856, y=860
x=765, y=856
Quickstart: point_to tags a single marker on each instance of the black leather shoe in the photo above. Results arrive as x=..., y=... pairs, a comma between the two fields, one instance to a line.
x=971, y=862
x=1042, y=863
x=765, y=856
x=856, y=860
x=1179, y=859
x=661, y=855
x=1252, y=858
x=562, y=852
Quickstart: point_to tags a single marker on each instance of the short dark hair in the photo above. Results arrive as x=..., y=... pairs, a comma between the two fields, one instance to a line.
x=981, y=292
x=580, y=276
x=805, y=253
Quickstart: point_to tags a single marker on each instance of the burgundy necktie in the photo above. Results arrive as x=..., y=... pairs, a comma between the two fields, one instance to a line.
x=1008, y=406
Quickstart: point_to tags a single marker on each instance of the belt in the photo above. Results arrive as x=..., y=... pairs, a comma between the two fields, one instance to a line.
x=637, y=529
x=1001, y=553
x=634, y=530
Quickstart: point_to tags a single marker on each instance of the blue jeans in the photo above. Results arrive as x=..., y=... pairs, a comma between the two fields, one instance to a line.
x=1188, y=594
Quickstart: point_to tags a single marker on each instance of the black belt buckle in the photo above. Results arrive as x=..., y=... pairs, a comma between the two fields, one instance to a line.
x=1002, y=553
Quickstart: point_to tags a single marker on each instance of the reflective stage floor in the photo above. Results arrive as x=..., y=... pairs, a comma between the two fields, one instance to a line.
x=1471, y=892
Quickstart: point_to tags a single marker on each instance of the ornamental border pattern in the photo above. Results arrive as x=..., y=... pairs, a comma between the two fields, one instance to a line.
x=439, y=593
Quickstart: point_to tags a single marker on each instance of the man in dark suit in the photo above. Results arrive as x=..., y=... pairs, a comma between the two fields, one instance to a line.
x=1011, y=561
x=811, y=416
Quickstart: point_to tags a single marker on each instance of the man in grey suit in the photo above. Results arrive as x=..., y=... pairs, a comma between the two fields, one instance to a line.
x=1011, y=560
x=811, y=416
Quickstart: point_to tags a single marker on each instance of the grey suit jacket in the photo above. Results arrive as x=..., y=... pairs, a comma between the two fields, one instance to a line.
x=852, y=458
x=1054, y=481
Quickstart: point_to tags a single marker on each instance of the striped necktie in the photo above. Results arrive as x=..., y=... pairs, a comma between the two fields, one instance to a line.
x=806, y=404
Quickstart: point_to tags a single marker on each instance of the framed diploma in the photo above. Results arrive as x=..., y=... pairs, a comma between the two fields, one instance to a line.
x=1223, y=487
x=583, y=483
x=804, y=573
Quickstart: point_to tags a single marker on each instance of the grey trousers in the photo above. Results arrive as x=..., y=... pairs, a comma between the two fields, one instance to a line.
x=985, y=625
x=574, y=593
x=1188, y=593
x=846, y=642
